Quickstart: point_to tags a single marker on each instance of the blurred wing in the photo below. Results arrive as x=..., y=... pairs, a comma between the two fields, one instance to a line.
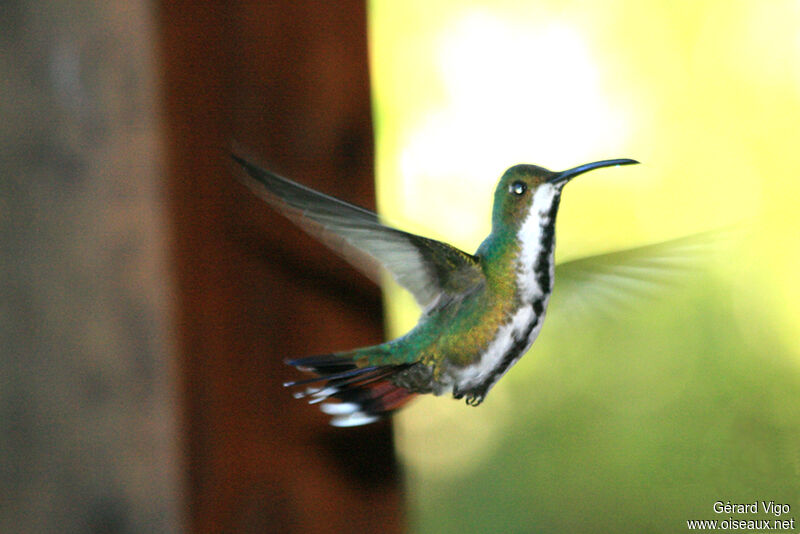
x=601, y=282
x=425, y=267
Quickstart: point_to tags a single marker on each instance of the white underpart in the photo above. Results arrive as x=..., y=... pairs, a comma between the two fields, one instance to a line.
x=531, y=236
x=476, y=374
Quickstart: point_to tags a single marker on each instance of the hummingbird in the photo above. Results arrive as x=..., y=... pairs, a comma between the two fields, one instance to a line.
x=480, y=314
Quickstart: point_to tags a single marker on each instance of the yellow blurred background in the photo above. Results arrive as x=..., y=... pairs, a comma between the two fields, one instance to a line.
x=632, y=419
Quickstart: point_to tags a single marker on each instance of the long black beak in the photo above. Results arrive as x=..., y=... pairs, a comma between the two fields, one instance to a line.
x=565, y=176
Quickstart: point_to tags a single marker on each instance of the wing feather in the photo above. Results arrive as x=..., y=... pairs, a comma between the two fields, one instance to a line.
x=425, y=267
x=617, y=278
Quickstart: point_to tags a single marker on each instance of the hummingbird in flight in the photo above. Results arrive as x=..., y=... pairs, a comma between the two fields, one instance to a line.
x=480, y=312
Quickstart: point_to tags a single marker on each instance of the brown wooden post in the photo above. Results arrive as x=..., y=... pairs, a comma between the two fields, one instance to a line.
x=87, y=412
x=288, y=80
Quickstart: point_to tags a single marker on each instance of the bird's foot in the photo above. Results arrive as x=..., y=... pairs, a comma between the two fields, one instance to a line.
x=474, y=399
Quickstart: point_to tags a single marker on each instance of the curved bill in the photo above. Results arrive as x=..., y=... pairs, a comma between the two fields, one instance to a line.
x=565, y=176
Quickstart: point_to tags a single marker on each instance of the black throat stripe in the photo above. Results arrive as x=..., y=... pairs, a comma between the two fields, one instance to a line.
x=515, y=350
x=542, y=265
x=541, y=268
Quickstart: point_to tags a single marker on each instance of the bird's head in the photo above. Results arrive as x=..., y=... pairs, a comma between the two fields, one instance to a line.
x=527, y=188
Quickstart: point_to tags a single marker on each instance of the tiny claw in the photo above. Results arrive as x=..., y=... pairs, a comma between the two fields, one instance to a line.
x=474, y=400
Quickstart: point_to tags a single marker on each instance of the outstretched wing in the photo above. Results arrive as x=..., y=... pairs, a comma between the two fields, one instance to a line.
x=425, y=267
x=615, y=278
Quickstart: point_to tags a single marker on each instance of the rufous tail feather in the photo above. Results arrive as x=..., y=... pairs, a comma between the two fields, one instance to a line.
x=364, y=394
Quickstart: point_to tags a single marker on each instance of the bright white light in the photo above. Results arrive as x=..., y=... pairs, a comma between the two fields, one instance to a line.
x=518, y=93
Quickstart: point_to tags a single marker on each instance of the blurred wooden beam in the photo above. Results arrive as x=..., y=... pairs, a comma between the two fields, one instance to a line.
x=87, y=412
x=289, y=81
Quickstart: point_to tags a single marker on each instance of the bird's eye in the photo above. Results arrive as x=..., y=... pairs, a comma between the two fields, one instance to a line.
x=518, y=188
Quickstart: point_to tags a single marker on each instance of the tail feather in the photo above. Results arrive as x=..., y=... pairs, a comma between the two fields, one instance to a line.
x=324, y=364
x=365, y=394
x=336, y=376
